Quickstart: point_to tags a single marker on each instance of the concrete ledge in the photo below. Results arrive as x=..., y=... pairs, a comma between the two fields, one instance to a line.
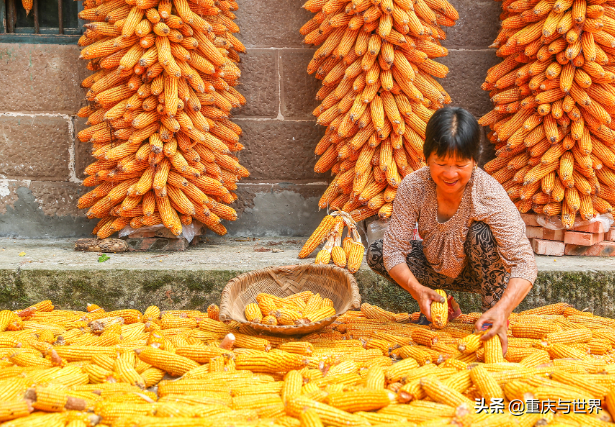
x=51, y=269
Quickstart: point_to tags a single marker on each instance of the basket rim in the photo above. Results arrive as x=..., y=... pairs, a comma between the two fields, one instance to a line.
x=226, y=300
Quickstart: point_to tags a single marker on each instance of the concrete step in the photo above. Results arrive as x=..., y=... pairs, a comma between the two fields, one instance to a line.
x=51, y=269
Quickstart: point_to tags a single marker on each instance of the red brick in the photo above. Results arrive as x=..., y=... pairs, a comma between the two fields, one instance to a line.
x=530, y=219
x=25, y=153
x=601, y=249
x=553, y=235
x=593, y=227
x=548, y=247
x=610, y=235
x=583, y=239
x=534, y=232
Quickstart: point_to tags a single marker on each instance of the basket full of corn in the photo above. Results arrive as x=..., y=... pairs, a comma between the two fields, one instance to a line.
x=290, y=300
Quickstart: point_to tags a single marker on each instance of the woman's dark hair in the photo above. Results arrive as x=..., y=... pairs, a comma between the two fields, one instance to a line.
x=452, y=131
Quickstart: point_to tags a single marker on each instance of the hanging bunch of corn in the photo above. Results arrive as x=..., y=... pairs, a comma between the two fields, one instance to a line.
x=27, y=5
x=347, y=254
x=376, y=63
x=554, y=95
x=158, y=114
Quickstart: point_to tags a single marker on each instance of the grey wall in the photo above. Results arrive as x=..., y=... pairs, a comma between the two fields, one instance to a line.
x=41, y=162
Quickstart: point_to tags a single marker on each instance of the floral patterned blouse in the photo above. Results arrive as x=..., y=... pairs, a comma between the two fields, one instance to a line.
x=484, y=199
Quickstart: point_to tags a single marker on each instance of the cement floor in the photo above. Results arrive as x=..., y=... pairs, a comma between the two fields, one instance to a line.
x=33, y=270
x=216, y=253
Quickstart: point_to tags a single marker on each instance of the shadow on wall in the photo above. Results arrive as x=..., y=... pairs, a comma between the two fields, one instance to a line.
x=278, y=212
x=26, y=219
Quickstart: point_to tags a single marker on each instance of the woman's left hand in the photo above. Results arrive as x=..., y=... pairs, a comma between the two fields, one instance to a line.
x=499, y=325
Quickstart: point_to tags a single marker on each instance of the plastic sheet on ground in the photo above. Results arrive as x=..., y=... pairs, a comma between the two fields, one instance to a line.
x=188, y=231
x=555, y=223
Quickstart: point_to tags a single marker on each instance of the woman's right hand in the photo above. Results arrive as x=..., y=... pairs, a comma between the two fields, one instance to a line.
x=425, y=296
x=422, y=294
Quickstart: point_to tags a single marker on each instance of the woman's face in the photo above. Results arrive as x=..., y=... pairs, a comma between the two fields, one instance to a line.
x=450, y=173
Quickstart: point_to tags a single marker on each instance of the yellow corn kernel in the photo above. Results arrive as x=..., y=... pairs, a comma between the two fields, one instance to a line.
x=253, y=313
x=439, y=311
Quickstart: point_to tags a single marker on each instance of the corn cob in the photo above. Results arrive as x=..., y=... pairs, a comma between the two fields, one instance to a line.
x=493, y=350
x=316, y=238
x=355, y=257
x=52, y=400
x=292, y=385
x=253, y=313
x=327, y=414
x=376, y=313
x=439, y=311
x=469, y=344
x=310, y=418
x=441, y=393
x=304, y=348
x=486, y=384
x=15, y=409
x=321, y=314
x=367, y=400
x=171, y=363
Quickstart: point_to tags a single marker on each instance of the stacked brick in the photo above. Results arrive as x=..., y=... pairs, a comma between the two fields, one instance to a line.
x=159, y=105
x=582, y=240
x=376, y=63
x=554, y=95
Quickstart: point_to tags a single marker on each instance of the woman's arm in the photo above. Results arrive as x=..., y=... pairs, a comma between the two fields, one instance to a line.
x=402, y=274
x=498, y=315
x=397, y=241
x=504, y=220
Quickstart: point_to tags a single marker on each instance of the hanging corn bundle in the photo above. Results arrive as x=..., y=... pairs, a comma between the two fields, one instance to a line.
x=158, y=114
x=27, y=5
x=348, y=254
x=554, y=97
x=376, y=62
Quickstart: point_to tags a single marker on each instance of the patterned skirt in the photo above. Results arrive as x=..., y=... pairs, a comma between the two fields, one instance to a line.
x=484, y=272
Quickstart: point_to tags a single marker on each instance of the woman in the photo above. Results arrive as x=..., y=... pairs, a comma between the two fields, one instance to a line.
x=473, y=236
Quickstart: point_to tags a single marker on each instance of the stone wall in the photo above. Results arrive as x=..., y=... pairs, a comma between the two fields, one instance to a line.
x=41, y=162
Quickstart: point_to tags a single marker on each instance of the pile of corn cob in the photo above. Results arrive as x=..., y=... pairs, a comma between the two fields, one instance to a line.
x=554, y=94
x=375, y=61
x=348, y=254
x=297, y=309
x=85, y=368
x=159, y=102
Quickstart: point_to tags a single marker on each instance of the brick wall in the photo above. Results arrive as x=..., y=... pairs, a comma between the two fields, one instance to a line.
x=41, y=163
x=39, y=183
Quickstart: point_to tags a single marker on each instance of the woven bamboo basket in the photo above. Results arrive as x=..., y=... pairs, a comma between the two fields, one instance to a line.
x=329, y=281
